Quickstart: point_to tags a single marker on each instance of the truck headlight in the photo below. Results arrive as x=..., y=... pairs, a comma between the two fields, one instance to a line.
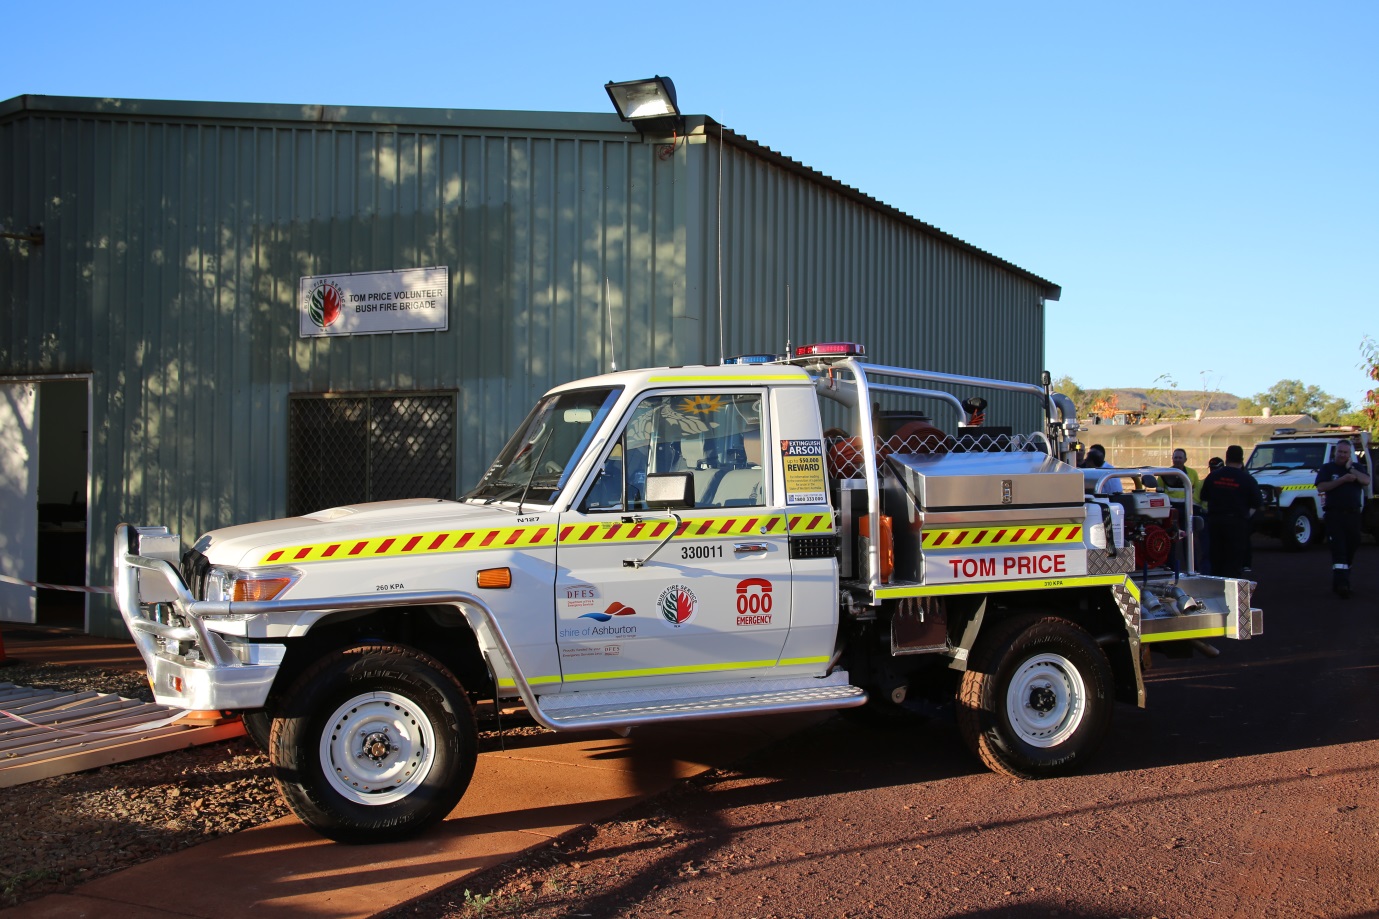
x=259, y=584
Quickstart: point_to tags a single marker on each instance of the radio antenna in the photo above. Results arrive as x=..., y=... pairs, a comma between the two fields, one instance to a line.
x=608, y=307
x=719, y=241
x=787, y=322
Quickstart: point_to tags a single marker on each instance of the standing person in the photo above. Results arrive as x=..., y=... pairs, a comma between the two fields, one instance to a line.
x=1096, y=459
x=1231, y=496
x=1175, y=489
x=1342, y=481
x=1178, y=495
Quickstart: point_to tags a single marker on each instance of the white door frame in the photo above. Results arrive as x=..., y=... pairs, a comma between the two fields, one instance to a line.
x=28, y=521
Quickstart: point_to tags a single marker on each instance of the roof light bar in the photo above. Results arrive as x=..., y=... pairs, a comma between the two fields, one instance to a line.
x=831, y=349
x=751, y=359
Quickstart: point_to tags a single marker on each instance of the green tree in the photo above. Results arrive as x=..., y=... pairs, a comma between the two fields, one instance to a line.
x=1366, y=416
x=1293, y=397
x=1083, y=399
x=1067, y=387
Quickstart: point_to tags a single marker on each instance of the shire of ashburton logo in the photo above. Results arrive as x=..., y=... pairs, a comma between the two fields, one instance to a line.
x=614, y=609
x=677, y=604
x=325, y=303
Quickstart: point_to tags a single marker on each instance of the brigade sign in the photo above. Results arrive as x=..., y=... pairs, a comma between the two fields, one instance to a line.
x=1048, y=564
x=374, y=302
x=804, y=471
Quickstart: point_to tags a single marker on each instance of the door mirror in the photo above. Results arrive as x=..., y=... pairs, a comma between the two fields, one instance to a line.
x=668, y=490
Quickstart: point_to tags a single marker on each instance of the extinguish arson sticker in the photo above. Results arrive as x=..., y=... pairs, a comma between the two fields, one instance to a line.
x=804, y=471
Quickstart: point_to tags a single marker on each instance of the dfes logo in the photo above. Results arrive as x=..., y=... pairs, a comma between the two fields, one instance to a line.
x=327, y=302
x=754, y=602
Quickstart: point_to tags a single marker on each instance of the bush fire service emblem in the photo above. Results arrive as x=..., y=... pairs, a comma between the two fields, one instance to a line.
x=677, y=604
x=327, y=301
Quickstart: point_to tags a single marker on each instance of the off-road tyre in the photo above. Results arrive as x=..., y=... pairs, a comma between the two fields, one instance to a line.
x=1299, y=529
x=258, y=724
x=374, y=743
x=1036, y=699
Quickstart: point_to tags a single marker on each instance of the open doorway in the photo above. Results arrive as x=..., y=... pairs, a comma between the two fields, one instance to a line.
x=63, y=516
x=44, y=483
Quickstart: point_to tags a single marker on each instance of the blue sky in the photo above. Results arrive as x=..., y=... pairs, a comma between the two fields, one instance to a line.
x=1202, y=179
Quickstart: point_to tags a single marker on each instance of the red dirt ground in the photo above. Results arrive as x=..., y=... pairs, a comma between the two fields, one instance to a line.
x=1248, y=787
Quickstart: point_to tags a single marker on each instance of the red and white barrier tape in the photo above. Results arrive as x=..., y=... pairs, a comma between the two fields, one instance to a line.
x=81, y=590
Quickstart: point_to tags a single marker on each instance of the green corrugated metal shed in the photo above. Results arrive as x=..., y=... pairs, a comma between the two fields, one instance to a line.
x=174, y=235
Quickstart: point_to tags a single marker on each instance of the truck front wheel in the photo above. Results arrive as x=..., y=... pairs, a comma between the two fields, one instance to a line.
x=1036, y=698
x=258, y=724
x=1299, y=528
x=374, y=744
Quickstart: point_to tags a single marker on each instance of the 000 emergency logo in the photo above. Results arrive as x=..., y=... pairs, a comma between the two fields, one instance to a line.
x=754, y=602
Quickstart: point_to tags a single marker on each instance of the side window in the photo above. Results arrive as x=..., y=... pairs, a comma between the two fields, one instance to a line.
x=715, y=437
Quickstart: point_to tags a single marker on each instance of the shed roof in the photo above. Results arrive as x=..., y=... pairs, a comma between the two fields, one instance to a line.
x=1276, y=421
x=492, y=119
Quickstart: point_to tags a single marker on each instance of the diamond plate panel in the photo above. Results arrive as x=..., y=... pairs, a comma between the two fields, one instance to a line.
x=1098, y=562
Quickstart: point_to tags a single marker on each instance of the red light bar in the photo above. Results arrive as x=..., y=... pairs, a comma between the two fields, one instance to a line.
x=833, y=348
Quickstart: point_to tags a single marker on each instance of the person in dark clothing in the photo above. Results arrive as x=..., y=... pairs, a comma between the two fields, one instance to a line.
x=1096, y=459
x=1341, y=483
x=1231, y=496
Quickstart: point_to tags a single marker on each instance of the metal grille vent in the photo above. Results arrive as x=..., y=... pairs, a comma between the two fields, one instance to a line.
x=845, y=453
x=373, y=447
x=814, y=546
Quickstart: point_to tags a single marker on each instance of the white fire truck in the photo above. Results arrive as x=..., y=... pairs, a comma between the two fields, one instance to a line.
x=685, y=543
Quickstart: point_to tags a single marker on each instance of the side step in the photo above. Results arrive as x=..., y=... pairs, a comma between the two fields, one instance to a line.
x=626, y=708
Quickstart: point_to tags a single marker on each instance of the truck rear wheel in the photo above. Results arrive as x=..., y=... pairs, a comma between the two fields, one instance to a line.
x=1299, y=528
x=374, y=744
x=1036, y=698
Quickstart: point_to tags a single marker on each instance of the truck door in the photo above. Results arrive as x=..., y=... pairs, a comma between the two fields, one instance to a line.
x=713, y=602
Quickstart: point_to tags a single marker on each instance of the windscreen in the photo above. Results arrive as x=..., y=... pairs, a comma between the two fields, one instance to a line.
x=538, y=459
x=1286, y=456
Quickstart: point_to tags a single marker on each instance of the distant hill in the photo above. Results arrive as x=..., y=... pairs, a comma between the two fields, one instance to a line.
x=1175, y=400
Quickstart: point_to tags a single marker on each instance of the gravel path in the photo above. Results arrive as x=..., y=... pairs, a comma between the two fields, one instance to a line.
x=69, y=829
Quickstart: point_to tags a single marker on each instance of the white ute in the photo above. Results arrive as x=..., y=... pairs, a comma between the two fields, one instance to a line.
x=1285, y=466
x=681, y=543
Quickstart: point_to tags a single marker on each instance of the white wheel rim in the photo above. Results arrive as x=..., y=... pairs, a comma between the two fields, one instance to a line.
x=377, y=748
x=1302, y=528
x=1046, y=700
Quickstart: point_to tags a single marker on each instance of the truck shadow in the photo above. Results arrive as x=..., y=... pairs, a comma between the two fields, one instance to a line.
x=1308, y=681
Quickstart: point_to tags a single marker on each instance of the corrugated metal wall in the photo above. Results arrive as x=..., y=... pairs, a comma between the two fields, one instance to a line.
x=176, y=234
x=854, y=273
x=172, y=256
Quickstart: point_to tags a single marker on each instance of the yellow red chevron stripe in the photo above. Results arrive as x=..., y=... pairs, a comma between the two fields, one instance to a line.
x=544, y=535
x=983, y=537
x=690, y=528
x=522, y=537
x=812, y=523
